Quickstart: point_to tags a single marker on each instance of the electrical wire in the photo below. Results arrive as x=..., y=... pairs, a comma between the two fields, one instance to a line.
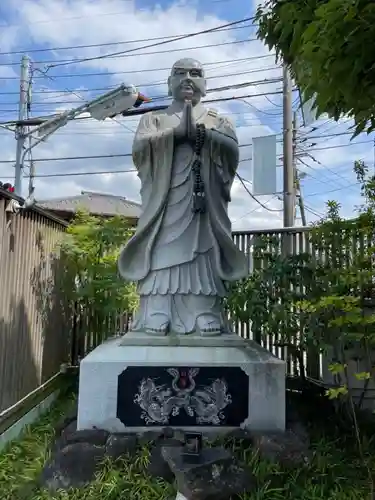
x=162, y=97
x=326, y=179
x=320, y=193
x=148, y=108
x=100, y=130
x=49, y=63
x=242, y=181
x=273, y=103
x=313, y=212
x=260, y=110
x=110, y=44
x=71, y=158
x=73, y=174
x=96, y=157
x=341, y=146
x=337, y=174
x=141, y=70
x=150, y=84
x=253, y=210
x=130, y=52
x=94, y=172
x=81, y=129
x=81, y=98
x=104, y=14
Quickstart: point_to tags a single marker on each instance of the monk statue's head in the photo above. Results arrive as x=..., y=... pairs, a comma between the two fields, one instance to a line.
x=187, y=81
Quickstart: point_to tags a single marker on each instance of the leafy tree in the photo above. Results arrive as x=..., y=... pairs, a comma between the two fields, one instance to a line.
x=89, y=252
x=328, y=46
x=343, y=313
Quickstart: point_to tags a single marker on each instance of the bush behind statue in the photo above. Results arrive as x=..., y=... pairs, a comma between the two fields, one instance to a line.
x=89, y=253
x=321, y=300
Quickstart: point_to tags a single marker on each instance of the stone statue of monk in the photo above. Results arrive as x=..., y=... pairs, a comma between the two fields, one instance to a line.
x=182, y=252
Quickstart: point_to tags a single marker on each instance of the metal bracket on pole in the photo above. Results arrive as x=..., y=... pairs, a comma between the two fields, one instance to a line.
x=108, y=105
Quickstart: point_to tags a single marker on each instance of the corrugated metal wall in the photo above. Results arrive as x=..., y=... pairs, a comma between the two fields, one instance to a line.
x=34, y=335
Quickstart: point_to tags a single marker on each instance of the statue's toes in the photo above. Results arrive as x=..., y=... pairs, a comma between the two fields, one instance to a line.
x=157, y=324
x=209, y=325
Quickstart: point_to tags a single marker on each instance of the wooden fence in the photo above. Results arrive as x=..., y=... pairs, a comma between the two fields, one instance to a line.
x=85, y=338
x=295, y=241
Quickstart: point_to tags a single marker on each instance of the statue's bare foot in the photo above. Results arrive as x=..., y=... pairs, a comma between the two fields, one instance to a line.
x=209, y=325
x=157, y=324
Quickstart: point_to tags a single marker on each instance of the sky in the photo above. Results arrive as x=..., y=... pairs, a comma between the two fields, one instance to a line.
x=58, y=34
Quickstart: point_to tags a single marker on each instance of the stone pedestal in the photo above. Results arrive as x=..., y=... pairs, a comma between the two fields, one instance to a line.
x=138, y=383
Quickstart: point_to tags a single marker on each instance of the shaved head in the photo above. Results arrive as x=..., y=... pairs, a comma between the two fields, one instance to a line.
x=187, y=73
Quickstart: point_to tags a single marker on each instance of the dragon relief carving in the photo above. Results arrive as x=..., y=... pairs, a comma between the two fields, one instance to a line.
x=160, y=402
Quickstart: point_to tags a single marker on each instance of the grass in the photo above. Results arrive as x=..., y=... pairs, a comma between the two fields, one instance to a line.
x=336, y=472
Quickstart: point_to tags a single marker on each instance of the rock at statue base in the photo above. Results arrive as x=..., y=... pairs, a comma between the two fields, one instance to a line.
x=73, y=466
x=215, y=475
x=284, y=448
x=214, y=384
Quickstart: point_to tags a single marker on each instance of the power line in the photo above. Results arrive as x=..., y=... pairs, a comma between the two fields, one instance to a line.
x=274, y=103
x=329, y=169
x=341, y=145
x=323, y=136
x=129, y=52
x=313, y=212
x=72, y=18
x=92, y=172
x=85, y=157
x=159, y=98
x=109, y=44
x=127, y=155
x=328, y=179
x=51, y=64
x=151, y=84
x=140, y=111
x=242, y=181
x=274, y=197
x=69, y=174
x=98, y=129
x=147, y=109
x=332, y=190
x=141, y=70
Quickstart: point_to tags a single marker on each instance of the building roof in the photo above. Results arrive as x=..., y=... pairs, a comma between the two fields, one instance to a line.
x=94, y=203
x=4, y=194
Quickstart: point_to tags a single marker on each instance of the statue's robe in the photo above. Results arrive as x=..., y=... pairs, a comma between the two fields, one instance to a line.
x=176, y=252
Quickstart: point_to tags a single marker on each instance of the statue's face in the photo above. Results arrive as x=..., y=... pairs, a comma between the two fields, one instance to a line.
x=187, y=81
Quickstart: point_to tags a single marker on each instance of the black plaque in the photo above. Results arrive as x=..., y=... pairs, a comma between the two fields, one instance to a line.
x=182, y=396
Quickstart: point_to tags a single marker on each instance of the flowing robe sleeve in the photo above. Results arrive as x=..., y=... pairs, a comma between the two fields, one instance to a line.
x=152, y=157
x=220, y=157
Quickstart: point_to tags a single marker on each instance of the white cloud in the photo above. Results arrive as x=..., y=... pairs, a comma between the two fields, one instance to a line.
x=40, y=24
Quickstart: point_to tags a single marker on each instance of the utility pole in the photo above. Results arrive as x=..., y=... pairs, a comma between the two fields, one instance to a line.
x=296, y=173
x=288, y=164
x=21, y=129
